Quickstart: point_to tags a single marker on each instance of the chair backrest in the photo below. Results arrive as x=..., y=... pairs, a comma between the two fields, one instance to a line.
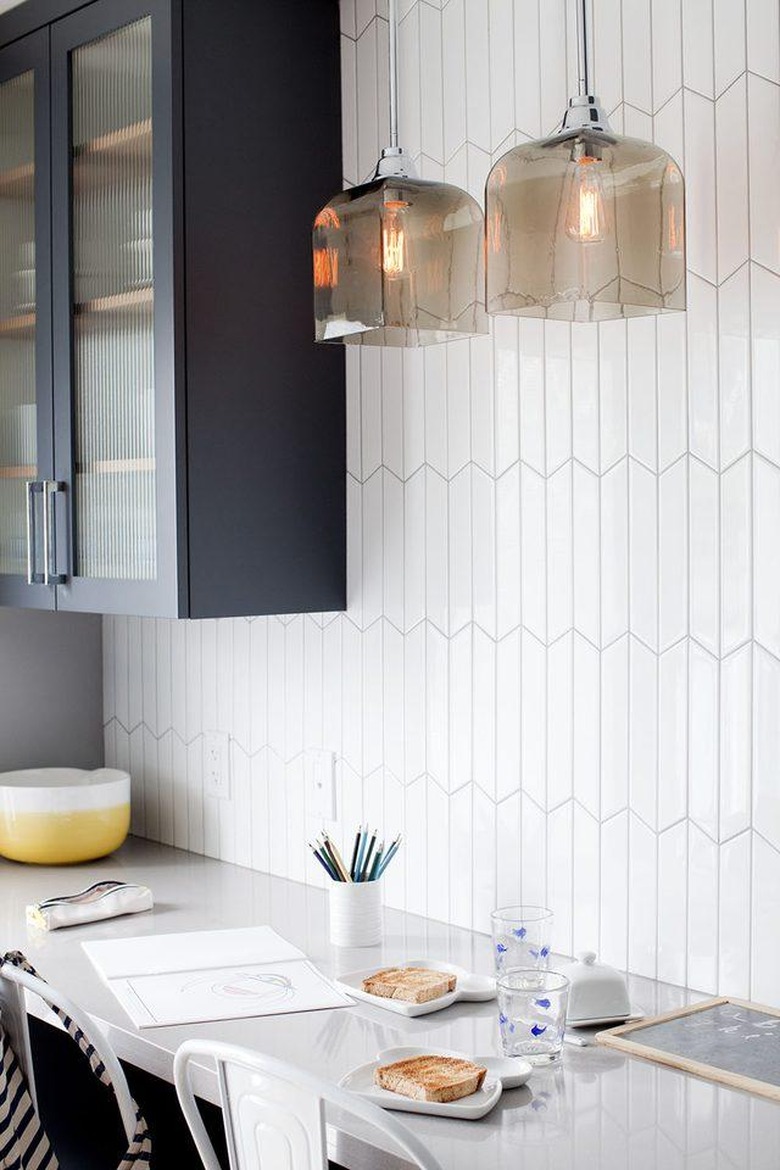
x=13, y=983
x=274, y=1111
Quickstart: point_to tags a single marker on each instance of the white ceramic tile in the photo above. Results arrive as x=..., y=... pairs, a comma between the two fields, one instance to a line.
x=409, y=75
x=667, y=54
x=585, y=395
x=483, y=538
x=672, y=388
x=673, y=554
x=698, y=48
x=643, y=732
x=352, y=696
x=373, y=698
x=461, y=885
x=672, y=735
x=764, y=127
x=458, y=404
x=532, y=394
x=613, y=948
x=502, y=90
x=436, y=552
x=729, y=25
x=533, y=853
x=483, y=420
x=560, y=697
x=642, y=406
x=533, y=552
x=483, y=861
x=766, y=553
x=436, y=848
x=453, y=72
x=459, y=548
x=702, y=911
x=765, y=956
x=437, y=705
x=613, y=392
x=614, y=553
x=585, y=552
x=553, y=87
x=643, y=560
x=586, y=724
x=393, y=700
x=704, y=741
x=507, y=374
x=732, y=175
x=734, y=357
x=608, y=51
x=735, y=742
x=508, y=575
x=765, y=305
x=733, y=924
x=763, y=38
x=477, y=74
x=560, y=875
x=637, y=61
x=461, y=726
x=700, y=181
x=766, y=745
x=507, y=712
x=413, y=410
x=414, y=549
x=736, y=575
x=349, y=110
x=557, y=379
x=508, y=857
x=704, y=552
x=642, y=898
x=436, y=433
x=559, y=553
x=415, y=845
x=368, y=144
x=585, y=877
x=414, y=702
x=533, y=736
x=614, y=728
x=372, y=572
x=672, y=903
x=527, y=68
x=393, y=549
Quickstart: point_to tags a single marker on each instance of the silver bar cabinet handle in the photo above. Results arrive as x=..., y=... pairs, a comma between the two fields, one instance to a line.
x=50, y=574
x=30, y=488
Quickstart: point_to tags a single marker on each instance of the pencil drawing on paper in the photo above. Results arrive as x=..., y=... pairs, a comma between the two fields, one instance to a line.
x=267, y=987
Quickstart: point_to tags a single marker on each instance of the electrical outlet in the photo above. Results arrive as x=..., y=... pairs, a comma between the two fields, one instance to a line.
x=320, y=768
x=216, y=764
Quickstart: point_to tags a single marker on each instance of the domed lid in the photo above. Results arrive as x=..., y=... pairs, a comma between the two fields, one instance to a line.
x=596, y=990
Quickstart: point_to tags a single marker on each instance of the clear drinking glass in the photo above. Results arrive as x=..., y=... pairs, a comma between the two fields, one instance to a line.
x=532, y=1014
x=521, y=937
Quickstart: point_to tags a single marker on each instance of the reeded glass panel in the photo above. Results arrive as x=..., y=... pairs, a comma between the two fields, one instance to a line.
x=113, y=309
x=585, y=227
x=399, y=262
x=18, y=455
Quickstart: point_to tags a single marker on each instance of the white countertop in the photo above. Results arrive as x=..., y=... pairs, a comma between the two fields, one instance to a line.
x=598, y=1110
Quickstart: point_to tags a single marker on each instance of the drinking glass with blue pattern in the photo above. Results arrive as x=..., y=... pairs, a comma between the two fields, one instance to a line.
x=521, y=937
x=532, y=1014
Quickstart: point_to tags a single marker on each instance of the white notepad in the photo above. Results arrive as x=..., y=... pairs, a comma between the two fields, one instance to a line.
x=201, y=976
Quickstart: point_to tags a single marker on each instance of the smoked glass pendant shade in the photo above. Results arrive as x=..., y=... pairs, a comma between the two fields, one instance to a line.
x=399, y=261
x=585, y=226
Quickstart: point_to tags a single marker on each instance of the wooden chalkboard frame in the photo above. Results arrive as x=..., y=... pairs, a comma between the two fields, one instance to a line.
x=620, y=1038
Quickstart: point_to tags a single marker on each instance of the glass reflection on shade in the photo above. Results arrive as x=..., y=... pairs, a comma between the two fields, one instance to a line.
x=585, y=226
x=399, y=261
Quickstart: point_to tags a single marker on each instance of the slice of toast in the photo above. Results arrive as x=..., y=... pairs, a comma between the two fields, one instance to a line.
x=410, y=984
x=431, y=1078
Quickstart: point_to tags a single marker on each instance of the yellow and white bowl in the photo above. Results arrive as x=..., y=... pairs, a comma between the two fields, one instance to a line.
x=60, y=816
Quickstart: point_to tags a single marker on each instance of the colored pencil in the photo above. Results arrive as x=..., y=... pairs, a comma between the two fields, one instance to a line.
x=354, y=855
x=325, y=864
x=364, y=871
x=389, y=855
x=363, y=833
x=376, y=862
x=325, y=849
x=339, y=860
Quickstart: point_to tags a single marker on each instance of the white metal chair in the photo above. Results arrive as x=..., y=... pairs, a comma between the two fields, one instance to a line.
x=13, y=1015
x=274, y=1111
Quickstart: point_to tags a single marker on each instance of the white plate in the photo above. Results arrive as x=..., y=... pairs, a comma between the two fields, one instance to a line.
x=511, y=1071
x=361, y=1081
x=635, y=1014
x=470, y=987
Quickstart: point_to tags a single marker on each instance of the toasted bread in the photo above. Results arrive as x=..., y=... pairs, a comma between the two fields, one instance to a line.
x=410, y=984
x=431, y=1078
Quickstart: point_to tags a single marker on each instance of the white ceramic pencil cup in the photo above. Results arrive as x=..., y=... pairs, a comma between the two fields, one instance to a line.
x=355, y=913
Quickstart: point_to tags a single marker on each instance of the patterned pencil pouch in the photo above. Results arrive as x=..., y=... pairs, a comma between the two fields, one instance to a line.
x=103, y=900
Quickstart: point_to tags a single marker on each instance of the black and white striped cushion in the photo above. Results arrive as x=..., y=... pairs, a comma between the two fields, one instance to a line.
x=30, y=1137
x=23, y=1143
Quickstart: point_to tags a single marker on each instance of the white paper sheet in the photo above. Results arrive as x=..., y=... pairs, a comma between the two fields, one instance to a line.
x=199, y=976
x=156, y=954
x=226, y=993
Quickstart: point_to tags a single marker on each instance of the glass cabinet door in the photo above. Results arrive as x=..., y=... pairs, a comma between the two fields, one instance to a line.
x=25, y=370
x=112, y=432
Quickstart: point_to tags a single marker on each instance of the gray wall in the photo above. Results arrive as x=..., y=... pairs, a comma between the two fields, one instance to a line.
x=51, y=689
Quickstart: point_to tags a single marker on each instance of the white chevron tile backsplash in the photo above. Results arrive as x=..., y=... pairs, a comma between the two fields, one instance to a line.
x=559, y=672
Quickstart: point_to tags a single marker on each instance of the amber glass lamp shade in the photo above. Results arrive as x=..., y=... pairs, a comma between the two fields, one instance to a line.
x=585, y=226
x=399, y=261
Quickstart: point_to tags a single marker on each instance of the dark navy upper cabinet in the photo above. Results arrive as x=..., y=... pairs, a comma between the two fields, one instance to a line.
x=172, y=442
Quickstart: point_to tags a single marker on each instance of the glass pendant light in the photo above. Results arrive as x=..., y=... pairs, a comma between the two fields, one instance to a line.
x=585, y=225
x=398, y=261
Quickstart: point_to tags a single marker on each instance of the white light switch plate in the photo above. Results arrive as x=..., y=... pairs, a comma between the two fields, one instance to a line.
x=320, y=768
x=216, y=764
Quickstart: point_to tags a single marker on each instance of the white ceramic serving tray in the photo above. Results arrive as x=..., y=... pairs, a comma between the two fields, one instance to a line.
x=502, y=1073
x=469, y=988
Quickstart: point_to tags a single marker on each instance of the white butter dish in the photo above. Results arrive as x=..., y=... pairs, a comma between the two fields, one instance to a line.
x=596, y=992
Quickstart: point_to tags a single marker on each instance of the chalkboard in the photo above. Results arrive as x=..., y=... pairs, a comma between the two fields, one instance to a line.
x=725, y=1040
